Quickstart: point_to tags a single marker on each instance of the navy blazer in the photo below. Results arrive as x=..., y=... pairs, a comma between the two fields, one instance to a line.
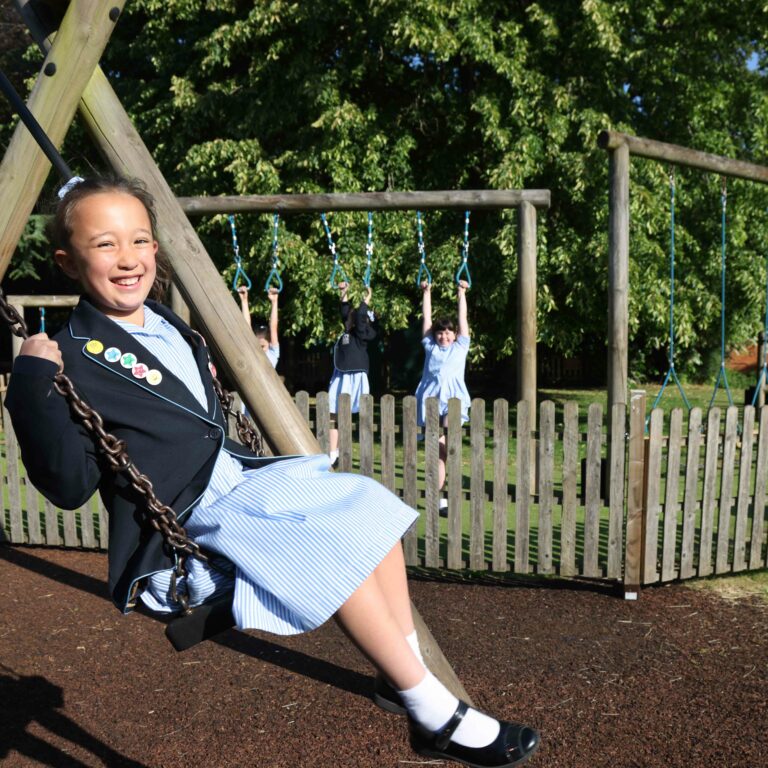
x=169, y=436
x=350, y=352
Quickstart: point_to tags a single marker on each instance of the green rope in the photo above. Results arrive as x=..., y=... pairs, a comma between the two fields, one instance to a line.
x=671, y=372
x=722, y=374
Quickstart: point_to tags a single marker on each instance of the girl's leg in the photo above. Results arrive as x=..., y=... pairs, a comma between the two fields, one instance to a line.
x=369, y=621
x=333, y=443
x=392, y=580
x=443, y=454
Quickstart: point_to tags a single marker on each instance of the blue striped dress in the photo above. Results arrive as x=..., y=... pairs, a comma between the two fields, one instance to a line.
x=295, y=539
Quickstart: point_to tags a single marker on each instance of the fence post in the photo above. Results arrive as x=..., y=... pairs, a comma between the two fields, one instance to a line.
x=410, y=472
x=365, y=431
x=431, y=484
x=634, y=551
x=618, y=274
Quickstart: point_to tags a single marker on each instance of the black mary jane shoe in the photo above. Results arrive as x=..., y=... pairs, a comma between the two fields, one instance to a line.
x=513, y=746
x=386, y=697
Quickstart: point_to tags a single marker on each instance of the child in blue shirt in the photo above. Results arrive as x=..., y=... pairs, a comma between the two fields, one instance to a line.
x=446, y=346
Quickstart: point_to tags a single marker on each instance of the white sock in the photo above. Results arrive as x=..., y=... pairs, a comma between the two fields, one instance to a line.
x=432, y=705
x=413, y=641
x=334, y=455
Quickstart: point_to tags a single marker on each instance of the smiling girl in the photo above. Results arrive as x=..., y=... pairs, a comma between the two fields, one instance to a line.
x=295, y=543
x=445, y=347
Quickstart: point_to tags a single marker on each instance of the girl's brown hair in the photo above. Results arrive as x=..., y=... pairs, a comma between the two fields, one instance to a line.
x=60, y=228
x=442, y=324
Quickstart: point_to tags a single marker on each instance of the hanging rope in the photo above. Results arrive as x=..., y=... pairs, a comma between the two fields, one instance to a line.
x=274, y=275
x=368, y=252
x=423, y=268
x=464, y=266
x=239, y=271
x=721, y=374
x=338, y=270
x=763, y=378
x=671, y=373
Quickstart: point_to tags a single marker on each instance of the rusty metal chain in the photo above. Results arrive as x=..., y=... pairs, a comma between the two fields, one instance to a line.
x=246, y=431
x=160, y=516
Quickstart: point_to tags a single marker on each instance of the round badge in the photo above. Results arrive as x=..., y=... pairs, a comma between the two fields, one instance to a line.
x=128, y=360
x=112, y=355
x=212, y=369
x=154, y=377
x=140, y=370
x=94, y=346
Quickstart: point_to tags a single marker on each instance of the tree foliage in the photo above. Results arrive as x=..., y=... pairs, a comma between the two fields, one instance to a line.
x=236, y=97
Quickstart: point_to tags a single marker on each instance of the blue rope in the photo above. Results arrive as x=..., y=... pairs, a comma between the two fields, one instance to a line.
x=239, y=272
x=464, y=267
x=671, y=373
x=763, y=378
x=721, y=374
x=42, y=319
x=423, y=268
x=337, y=268
x=274, y=275
x=368, y=252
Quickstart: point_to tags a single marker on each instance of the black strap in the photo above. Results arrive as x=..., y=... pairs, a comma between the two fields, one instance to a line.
x=443, y=736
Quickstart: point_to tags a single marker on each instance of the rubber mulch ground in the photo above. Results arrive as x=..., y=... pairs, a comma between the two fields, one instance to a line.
x=678, y=678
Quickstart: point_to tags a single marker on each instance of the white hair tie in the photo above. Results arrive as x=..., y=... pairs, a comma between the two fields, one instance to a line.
x=71, y=184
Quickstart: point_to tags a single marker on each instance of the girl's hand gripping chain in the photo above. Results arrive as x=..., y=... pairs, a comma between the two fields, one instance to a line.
x=40, y=345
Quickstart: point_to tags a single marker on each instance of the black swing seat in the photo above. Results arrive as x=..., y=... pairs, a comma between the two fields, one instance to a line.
x=204, y=621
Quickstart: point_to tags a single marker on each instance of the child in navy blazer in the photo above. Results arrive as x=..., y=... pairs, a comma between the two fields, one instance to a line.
x=350, y=359
x=297, y=544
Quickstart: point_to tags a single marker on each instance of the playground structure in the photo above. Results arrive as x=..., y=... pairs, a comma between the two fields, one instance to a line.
x=526, y=201
x=620, y=148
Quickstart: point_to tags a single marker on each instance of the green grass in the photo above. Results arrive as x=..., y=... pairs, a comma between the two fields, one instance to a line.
x=737, y=587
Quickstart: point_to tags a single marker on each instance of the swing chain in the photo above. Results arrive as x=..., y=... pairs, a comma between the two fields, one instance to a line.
x=274, y=275
x=423, y=268
x=246, y=431
x=368, y=252
x=464, y=266
x=337, y=268
x=160, y=516
x=239, y=271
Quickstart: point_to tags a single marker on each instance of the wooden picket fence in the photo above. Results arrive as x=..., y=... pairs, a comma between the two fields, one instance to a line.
x=559, y=495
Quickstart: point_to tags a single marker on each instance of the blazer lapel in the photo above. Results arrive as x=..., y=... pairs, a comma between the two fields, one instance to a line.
x=200, y=350
x=106, y=344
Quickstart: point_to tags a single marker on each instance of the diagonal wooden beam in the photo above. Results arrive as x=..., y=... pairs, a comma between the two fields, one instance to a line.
x=75, y=53
x=214, y=309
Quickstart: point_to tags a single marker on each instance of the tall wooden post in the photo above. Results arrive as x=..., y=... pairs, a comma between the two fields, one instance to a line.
x=762, y=341
x=633, y=553
x=618, y=275
x=526, y=306
x=179, y=306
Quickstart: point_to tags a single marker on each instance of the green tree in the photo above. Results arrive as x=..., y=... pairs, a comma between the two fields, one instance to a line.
x=276, y=96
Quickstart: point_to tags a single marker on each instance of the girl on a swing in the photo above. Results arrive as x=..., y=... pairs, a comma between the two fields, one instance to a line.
x=297, y=543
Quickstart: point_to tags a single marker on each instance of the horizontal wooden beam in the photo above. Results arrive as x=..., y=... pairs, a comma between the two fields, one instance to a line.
x=691, y=158
x=474, y=199
x=43, y=300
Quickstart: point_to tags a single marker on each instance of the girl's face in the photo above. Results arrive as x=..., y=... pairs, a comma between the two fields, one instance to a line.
x=445, y=337
x=112, y=254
